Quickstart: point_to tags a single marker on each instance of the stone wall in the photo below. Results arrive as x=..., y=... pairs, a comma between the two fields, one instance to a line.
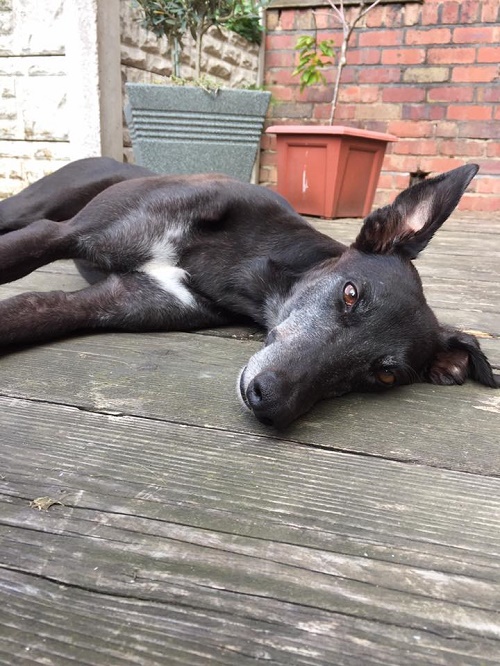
x=427, y=73
x=34, y=126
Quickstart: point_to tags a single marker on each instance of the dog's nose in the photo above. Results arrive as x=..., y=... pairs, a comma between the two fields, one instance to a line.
x=264, y=398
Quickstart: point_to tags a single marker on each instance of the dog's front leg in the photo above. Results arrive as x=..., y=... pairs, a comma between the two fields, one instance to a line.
x=131, y=302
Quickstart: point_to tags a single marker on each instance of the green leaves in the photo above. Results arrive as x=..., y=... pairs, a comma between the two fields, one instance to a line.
x=313, y=57
x=175, y=18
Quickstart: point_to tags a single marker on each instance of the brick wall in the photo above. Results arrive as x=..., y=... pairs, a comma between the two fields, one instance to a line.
x=427, y=73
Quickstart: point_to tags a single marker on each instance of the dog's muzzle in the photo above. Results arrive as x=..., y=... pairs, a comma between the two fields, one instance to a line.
x=264, y=397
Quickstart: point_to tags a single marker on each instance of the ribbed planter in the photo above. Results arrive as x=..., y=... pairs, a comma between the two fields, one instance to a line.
x=178, y=129
x=329, y=171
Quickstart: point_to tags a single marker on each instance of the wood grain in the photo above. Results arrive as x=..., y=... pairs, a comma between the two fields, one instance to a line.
x=188, y=544
x=191, y=379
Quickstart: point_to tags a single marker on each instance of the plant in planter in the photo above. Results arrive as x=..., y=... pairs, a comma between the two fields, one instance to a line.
x=186, y=129
x=330, y=170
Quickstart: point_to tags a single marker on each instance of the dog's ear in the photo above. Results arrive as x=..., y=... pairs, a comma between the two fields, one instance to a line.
x=406, y=226
x=458, y=357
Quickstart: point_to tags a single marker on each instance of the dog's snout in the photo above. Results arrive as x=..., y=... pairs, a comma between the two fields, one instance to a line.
x=264, y=398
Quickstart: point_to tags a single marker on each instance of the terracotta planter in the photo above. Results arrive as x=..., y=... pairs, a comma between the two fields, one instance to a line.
x=329, y=171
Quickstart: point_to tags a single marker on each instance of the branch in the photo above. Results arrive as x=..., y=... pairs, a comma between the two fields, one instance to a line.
x=347, y=29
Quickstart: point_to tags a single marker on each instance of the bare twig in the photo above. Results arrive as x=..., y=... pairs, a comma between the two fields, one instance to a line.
x=347, y=30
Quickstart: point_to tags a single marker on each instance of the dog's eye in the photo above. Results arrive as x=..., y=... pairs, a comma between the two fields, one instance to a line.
x=350, y=294
x=386, y=377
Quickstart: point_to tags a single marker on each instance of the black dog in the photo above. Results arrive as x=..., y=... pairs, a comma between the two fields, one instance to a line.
x=180, y=253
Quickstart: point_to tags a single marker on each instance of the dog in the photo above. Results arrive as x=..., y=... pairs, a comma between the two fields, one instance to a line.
x=167, y=253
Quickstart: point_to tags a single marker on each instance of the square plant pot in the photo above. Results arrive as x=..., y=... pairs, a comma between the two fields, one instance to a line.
x=329, y=171
x=186, y=129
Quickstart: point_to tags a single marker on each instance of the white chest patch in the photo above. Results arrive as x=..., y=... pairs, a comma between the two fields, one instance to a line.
x=162, y=268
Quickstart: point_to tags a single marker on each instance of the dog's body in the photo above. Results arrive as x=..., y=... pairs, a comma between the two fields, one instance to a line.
x=180, y=253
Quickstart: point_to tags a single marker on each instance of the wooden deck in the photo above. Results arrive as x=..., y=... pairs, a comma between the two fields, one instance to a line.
x=189, y=534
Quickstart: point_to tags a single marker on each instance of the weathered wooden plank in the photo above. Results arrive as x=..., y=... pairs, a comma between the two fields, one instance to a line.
x=217, y=546
x=54, y=622
x=191, y=379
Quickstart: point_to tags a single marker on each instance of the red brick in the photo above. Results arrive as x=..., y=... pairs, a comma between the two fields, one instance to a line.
x=304, y=20
x=348, y=75
x=363, y=94
x=430, y=14
x=487, y=185
x=278, y=41
x=342, y=112
x=475, y=35
x=493, y=149
x=453, y=147
x=369, y=56
x=403, y=94
x=403, y=56
x=356, y=57
x=488, y=94
x=490, y=11
x=440, y=164
x=484, y=203
x=479, y=129
x=468, y=112
x=393, y=17
x=488, y=54
x=381, y=38
x=449, y=12
x=446, y=129
x=408, y=128
x=287, y=19
x=379, y=75
x=280, y=59
x=325, y=19
x=432, y=36
x=451, y=94
x=281, y=93
x=475, y=74
x=281, y=76
x=451, y=55
x=315, y=94
x=386, y=181
x=469, y=11
x=423, y=112
x=375, y=18
x=322, y=112
x=406, y=163
x=415, y=147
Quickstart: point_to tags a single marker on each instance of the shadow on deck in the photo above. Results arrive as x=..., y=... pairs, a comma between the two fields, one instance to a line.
x=187, y=533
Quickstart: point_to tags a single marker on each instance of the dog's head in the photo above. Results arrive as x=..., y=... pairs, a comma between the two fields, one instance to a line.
x=361, y=322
